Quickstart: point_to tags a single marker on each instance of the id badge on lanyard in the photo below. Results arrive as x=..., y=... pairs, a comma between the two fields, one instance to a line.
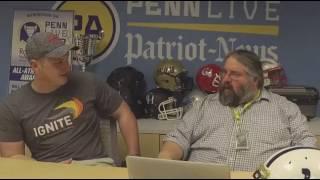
x=242, y=140
x=242, y=135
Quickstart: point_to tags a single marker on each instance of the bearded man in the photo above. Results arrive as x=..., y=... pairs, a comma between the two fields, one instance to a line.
x=242, y=125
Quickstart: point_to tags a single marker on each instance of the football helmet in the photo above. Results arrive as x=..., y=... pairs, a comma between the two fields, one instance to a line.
x=208, y=78
x=131, y=85
x=191, y=98
x=291, y=163
x=273, y=73
x=171, y=75
x=163, y=104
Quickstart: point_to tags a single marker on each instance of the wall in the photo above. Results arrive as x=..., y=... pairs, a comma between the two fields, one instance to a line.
x=293, y=42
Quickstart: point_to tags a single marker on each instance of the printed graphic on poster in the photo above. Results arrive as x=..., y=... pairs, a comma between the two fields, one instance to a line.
x=25, y=24
x=196, y=33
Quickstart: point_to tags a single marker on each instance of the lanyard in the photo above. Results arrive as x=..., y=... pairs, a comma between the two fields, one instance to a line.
x=237, y=112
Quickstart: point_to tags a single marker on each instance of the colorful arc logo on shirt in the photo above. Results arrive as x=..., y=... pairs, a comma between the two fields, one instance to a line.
x=90, y=18
x=74, y=104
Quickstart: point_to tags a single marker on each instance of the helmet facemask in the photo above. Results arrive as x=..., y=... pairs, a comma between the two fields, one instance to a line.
x=168, y=110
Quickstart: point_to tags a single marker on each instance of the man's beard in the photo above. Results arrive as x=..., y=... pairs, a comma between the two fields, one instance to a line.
x=228, y=96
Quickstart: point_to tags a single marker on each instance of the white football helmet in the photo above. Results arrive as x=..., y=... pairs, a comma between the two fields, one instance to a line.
x=291, y=163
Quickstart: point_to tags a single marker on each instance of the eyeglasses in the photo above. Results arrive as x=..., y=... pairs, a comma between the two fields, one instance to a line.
x=233, y=75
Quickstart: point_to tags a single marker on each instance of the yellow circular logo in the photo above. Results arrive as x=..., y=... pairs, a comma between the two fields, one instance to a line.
x=91, y=18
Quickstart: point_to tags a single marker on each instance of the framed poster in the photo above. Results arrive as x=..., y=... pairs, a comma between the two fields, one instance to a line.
x=25, y=24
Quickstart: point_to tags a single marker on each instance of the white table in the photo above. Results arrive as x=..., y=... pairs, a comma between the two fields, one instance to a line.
x=154, y=126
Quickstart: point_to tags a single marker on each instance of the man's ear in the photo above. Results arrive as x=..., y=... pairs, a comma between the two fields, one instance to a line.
x=255, y=80
x=34, y=64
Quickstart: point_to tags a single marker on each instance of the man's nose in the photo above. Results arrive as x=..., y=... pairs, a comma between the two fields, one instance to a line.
x=226, y=78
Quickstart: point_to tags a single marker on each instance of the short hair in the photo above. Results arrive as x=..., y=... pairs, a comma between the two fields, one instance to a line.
x=250, y=60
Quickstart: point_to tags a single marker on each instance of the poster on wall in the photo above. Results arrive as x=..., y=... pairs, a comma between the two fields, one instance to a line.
x=197, y=33
x=25, y=24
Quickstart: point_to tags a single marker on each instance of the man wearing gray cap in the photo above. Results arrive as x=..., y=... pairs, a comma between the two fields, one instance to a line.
x=57, y=114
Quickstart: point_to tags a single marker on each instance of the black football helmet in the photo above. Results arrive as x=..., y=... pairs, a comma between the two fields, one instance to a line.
x=163, y=104
x=131, y=85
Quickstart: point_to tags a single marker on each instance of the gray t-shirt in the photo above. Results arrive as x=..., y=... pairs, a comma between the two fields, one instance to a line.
x=63, y=124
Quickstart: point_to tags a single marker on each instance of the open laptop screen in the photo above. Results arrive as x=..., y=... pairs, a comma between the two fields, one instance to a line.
x=144, y=167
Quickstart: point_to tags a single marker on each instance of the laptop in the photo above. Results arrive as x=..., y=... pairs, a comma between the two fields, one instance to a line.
x=154, y=168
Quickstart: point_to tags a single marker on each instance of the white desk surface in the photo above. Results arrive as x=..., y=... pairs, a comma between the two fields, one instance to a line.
x=154, y=126
x=27, y=169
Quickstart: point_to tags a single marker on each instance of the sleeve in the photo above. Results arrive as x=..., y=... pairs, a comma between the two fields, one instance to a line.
x=300, y=132
x=183, y=134
x=108, y=100
x=10, y=129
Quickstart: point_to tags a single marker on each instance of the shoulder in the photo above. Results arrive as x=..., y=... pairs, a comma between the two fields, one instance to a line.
x=281, y=101
x=210, y=100
x=82, y=76
x=84, y=79
x=212, y=97
x=273, y=97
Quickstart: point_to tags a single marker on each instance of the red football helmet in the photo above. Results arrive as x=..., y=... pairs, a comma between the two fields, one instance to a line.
x=208, y=78
x=273, y=73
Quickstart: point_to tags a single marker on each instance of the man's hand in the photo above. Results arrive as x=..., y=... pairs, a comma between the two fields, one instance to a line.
x=171, y=150
x=164, y=155
x=68, y=161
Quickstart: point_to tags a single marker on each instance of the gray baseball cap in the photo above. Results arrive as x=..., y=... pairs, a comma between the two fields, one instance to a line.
x=46, y=44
